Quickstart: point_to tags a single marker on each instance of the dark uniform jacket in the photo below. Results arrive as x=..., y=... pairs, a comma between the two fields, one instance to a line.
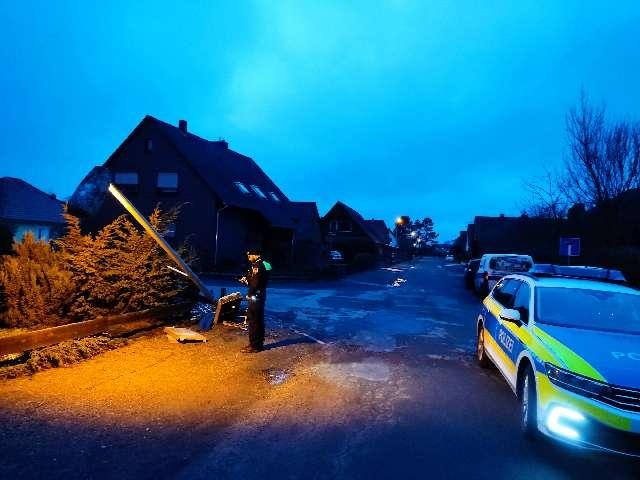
x=257, y=279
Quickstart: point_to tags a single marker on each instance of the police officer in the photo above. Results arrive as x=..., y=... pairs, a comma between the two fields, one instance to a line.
x=257, y=278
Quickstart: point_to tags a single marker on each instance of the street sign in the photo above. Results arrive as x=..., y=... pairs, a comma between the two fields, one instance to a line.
x=569, y=246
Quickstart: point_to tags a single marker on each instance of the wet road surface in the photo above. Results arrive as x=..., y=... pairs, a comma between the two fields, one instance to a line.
x=411, y=327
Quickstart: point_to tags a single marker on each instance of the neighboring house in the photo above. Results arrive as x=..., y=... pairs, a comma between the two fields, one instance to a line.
x=537, y=237
x=24, y=208
x=359, y=241
x=228, y=203
x=307, y=243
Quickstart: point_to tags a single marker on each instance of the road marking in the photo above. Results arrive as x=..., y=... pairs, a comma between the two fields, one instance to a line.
x=308, y=336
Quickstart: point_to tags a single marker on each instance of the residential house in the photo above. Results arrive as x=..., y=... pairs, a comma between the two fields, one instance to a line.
x=361, y=242
x=534, y=236
x=24, y=208
x=228, y=203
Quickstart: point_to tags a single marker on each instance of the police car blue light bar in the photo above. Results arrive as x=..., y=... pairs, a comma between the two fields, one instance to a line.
x=582, y=272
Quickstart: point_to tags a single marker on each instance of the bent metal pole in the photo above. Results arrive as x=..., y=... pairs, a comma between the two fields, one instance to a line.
x=161, y=241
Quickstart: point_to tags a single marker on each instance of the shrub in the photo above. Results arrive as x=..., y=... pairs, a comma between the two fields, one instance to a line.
x=34, y=284
x=121, y=269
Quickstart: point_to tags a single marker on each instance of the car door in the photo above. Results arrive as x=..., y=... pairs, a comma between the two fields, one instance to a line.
x=504, y=339
x=478, y=277
x=519, y=332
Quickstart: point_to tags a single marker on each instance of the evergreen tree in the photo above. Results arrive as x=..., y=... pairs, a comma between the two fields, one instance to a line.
x=36, y=287
x=122, y=269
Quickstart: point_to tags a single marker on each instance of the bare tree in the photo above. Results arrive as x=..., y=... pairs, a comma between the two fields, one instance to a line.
x=604, y=160
x=546, y=197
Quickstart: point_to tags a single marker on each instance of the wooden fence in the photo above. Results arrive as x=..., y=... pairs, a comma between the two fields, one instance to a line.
x=50, y=336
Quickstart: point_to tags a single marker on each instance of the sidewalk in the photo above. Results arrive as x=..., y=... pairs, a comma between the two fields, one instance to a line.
x=151, y=407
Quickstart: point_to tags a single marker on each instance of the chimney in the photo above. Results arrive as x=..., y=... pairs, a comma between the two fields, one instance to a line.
x=182, y=125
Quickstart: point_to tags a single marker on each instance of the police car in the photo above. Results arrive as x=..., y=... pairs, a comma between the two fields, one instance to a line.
x=567, y=340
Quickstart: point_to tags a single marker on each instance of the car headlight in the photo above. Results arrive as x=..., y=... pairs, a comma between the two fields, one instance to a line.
x=575, y=383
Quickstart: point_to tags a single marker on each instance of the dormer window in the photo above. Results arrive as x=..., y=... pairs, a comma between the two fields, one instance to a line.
x=168, y=182
x=148, y=146
x=259, y=192
x=242, y=187
x=274, y=197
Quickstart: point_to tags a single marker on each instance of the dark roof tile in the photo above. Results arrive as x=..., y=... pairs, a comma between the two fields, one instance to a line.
x=20, y=201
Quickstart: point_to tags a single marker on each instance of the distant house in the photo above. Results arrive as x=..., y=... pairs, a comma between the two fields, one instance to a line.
x=307, y=243
x=24, y=208
x=228, y=202
x=537, y=237
x=359, y=241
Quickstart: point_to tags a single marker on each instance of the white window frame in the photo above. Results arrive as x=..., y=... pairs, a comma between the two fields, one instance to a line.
x=242, y=187
x=258, y=191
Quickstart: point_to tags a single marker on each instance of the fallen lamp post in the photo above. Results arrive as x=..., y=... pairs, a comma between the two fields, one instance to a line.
x=184, y=269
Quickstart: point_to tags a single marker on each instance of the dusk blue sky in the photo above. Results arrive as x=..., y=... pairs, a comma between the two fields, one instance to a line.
x=421, y=108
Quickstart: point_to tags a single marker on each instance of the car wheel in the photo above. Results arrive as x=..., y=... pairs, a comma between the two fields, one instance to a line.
x=481, y=354
x=528, y=404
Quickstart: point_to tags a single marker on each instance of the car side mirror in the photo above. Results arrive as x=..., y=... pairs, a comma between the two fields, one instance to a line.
x=510, y=315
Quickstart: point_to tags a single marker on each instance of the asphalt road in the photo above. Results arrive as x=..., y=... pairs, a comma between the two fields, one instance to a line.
x=369, y=376
x=451, y=419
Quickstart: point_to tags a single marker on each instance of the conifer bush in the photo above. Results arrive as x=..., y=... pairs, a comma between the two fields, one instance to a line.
x=35, y=285
x=120, y=269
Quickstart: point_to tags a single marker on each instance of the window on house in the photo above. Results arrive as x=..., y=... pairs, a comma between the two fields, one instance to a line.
x=345, y=226
x=125, y=178
x=340, y=226
x=168, y=181
x=241, y=186
x=148, y=146
x=171, y=231
x=259, y=192
x=43, y=234
x=274, y=196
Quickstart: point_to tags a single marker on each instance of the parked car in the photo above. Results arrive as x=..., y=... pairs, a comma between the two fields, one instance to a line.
x=494, y=266
x=470, y=272
x=449, y=258
x=336, y=257
x=565, y=340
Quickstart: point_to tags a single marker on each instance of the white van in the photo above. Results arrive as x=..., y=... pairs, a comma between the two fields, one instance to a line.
x=494, y=266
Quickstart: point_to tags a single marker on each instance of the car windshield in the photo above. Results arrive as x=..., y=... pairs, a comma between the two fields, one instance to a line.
x=510, y=264
x=590, y=309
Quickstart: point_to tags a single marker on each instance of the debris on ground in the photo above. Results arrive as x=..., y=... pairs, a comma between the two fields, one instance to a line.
x=276, y=376
x=62, y=354
x=183, y=335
